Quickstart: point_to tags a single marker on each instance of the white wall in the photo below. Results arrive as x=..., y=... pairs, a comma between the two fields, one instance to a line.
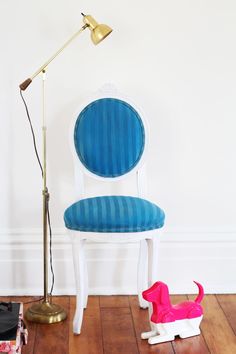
x=176, y=59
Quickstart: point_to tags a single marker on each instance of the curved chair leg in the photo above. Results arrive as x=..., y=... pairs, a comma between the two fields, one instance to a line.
x=85, y=280
x=78, y=258
x=142, y=273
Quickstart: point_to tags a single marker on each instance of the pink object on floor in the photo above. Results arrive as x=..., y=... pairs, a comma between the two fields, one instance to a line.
x=164, y=311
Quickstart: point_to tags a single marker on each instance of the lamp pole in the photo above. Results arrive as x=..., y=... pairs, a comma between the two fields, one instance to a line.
x=45, y=193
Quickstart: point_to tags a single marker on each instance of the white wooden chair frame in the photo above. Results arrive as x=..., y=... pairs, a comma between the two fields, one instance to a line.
x=148, y=254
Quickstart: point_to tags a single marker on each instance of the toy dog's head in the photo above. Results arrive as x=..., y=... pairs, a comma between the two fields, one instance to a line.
x=158, y=293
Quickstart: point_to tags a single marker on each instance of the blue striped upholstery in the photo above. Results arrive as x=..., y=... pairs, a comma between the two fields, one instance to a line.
x=109, y=137
x=114, y=214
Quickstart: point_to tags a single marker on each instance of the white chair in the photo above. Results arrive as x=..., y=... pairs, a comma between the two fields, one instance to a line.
x=109, y=139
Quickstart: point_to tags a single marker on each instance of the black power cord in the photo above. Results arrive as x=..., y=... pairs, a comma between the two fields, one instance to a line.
x=41, y=168
x=50, y=252
x=32, y=131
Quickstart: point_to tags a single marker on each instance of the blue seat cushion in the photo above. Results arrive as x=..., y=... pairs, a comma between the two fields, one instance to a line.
x=114, y=214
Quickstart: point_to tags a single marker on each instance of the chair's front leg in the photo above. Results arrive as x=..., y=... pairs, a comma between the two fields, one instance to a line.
x=85, y=280
x=142, y=278
x=78, y=258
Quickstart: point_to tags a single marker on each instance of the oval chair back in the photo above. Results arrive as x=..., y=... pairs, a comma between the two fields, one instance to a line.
x=109, y=137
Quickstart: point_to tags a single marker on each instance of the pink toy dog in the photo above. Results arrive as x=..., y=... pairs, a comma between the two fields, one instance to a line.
x=168, y=320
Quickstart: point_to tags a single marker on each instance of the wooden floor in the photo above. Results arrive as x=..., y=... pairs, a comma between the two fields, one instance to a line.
x=112, y=324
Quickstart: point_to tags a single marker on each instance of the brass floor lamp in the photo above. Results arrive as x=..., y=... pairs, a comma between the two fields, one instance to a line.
x=47, y=311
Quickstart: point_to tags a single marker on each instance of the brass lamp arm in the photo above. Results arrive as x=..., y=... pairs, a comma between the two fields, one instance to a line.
x=23, y=86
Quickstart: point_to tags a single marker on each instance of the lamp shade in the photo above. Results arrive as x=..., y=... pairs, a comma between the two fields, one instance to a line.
x=98, y=31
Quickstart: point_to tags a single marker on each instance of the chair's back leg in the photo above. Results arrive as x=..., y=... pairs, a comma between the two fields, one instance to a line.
x=142, y=276
x=153, y=248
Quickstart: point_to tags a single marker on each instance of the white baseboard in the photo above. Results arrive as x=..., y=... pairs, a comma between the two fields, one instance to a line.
x=208, y=257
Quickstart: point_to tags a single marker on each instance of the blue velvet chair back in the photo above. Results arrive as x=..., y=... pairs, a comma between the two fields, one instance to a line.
x=109, y=137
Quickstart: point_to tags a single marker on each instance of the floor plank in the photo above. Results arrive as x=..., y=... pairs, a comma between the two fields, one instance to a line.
x=114, y=301
x=53, y=338
x=141, y=324
x=216, y=330
x=228, y=305
x=90, y=339
x=191, y=345
x=117, y=328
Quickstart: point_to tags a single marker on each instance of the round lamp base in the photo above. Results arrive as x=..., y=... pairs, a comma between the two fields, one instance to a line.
x=45, y=312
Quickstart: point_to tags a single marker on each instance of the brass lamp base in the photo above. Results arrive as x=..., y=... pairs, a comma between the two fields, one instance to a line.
x=45, y=313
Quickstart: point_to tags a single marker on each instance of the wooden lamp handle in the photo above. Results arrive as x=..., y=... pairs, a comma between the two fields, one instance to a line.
x=23, y=86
